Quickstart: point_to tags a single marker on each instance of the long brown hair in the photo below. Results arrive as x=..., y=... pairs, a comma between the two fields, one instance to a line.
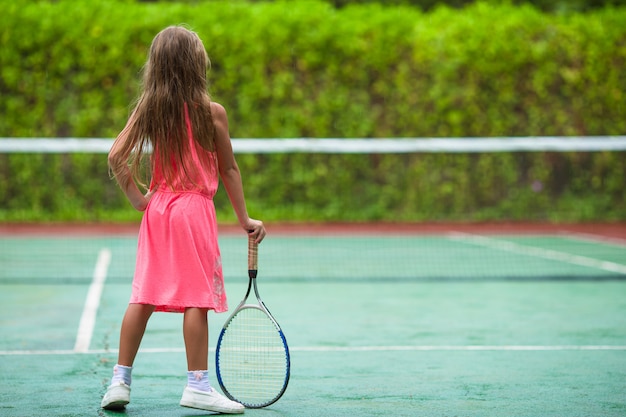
x=174, y=78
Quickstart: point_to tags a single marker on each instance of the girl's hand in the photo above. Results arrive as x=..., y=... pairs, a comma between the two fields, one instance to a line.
x=256, y=229
x=150, y=193
x=142, y=200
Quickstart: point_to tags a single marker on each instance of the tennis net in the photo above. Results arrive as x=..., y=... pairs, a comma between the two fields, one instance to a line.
x=445, y=240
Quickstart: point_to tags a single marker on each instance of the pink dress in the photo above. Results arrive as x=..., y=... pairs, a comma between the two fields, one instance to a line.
x=178, y=257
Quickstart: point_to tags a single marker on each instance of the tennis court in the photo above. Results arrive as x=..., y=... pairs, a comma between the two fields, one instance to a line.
x=402, y=321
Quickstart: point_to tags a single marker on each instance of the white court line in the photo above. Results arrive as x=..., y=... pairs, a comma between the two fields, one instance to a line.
x=539, y=252
x=354, y=349
x=590, y=237
x=457, y=348
x=92, y=302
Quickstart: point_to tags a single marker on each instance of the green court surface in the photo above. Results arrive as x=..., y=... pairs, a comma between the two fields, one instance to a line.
x=455, y=324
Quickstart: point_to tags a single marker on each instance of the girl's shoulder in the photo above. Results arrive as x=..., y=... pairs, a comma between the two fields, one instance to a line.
x=217, y=108
x=219, y=116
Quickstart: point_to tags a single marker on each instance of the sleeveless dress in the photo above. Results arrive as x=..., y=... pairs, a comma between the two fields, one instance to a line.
x=178, y=258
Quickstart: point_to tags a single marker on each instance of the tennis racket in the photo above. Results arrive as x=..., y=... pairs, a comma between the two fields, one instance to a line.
x=252, y=357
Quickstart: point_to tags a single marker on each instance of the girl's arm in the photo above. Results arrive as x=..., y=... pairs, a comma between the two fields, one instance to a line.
x=118, y=162
x=231, y=177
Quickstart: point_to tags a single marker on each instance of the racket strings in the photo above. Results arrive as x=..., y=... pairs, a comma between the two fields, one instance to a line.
x=252, y=358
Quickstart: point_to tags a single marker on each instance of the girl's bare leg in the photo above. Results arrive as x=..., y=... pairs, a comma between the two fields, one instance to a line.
x=196, y=335
x=133, y=328
x=198, y=392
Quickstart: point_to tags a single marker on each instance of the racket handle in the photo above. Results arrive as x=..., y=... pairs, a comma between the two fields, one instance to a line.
x=253, y=257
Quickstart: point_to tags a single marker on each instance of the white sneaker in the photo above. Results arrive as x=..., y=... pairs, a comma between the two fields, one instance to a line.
x=210, y=401
x=116, y=397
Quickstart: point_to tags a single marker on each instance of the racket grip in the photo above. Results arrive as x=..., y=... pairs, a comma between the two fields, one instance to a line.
x=253, y=257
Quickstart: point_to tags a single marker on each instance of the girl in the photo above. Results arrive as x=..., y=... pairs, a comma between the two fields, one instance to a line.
x=178, y=265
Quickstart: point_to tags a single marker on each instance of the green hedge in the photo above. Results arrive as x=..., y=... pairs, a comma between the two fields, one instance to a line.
x=553, y=6
x=305, y=69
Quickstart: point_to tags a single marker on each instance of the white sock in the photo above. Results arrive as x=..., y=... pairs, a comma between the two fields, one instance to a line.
x=199, y=380
x=122, y=373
